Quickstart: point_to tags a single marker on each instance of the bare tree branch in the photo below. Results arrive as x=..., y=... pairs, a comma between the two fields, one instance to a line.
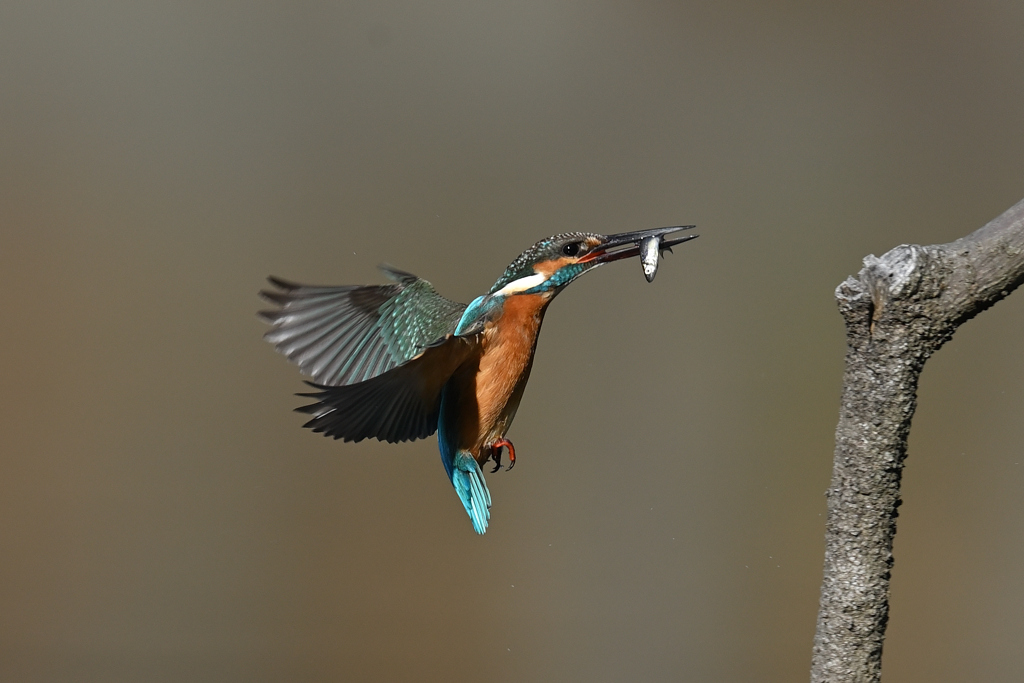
x=899, y=310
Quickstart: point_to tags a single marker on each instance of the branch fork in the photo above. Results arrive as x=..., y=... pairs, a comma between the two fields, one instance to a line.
x=899, y=310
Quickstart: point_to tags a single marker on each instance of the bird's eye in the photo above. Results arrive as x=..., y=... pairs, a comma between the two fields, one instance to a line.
x=571, y=249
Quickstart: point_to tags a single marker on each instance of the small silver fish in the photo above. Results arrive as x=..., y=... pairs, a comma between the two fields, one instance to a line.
x=650, y=249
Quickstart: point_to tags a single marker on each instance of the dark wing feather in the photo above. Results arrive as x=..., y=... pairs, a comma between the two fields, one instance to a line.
x=349, y=334
x=399, y=405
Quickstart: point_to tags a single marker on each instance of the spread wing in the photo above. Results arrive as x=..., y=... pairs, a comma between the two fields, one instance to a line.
x=399, y=405
x=349, y=334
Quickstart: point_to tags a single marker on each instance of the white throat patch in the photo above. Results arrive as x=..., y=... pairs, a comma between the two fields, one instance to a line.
x=522, y=284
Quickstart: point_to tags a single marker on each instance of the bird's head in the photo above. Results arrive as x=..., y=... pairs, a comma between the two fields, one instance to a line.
x=553, y=263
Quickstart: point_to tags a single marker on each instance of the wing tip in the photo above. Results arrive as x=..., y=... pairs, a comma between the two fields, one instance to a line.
x=396, y=274
x=281, y=283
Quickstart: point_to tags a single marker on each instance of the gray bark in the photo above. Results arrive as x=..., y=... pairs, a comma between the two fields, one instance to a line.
x=899, y=310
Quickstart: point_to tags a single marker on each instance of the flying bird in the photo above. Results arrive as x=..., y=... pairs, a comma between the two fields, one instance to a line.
x=398, y=362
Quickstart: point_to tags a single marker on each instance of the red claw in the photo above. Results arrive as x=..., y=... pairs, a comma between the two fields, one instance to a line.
x=496, y=454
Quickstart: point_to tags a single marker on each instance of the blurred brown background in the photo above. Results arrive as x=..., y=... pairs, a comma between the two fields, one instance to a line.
x=163, y=517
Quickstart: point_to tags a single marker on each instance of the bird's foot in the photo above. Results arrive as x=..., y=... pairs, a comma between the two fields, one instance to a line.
x=496, y=454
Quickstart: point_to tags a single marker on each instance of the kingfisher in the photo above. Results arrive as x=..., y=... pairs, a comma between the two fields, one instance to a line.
x=398, y=362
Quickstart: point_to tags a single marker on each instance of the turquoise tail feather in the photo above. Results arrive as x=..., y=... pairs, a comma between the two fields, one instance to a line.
x=460, y=466
x=469, y=483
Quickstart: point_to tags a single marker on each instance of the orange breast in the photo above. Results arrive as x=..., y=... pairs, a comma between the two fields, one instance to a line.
x=505, y=362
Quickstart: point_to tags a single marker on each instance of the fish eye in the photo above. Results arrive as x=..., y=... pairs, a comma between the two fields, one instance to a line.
x=571, y=249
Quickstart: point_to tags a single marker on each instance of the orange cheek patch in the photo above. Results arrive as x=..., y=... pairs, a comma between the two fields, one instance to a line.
x=548, y=268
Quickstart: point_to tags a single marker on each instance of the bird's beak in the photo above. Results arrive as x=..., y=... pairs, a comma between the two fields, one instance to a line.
x=627, y=244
